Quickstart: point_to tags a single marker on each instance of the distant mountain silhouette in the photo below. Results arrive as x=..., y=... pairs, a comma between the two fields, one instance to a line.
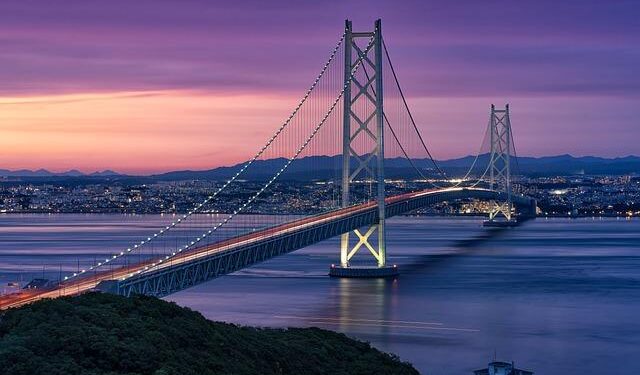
x=559, y=165
x=46, y=173
x=569, y=165
x=329, y=167
x=105, y=173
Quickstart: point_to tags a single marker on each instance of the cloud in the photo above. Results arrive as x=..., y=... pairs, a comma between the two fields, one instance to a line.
x=440, y=48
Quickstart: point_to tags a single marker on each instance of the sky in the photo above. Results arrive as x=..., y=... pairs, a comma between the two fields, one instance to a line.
x=154, y=85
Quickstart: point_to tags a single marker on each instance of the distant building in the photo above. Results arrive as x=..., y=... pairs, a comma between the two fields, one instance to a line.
x=502, y=368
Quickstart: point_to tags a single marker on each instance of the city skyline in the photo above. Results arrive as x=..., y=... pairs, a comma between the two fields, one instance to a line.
x=158, y=86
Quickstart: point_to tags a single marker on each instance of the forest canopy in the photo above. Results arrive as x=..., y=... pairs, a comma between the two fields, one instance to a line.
x=100, y=333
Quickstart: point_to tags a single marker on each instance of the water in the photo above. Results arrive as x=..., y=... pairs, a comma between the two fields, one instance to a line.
x=556, y=296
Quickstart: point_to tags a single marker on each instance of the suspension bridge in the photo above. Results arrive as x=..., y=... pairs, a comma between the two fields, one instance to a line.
x=356, y=116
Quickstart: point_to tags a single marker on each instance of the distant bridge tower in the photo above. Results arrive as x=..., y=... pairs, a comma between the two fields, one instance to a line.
x=500, y=163
x=363, y=123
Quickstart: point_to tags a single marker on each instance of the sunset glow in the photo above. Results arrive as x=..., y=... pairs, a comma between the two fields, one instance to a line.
x=196, y=85
x=135, y=132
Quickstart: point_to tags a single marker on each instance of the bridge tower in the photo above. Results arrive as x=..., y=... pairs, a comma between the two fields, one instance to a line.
x=363, y=123
x=500, y=165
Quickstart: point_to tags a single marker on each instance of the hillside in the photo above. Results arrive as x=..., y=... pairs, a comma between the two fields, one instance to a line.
x=107, y=334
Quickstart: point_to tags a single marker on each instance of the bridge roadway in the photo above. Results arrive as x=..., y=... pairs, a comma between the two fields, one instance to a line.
x=207, y=262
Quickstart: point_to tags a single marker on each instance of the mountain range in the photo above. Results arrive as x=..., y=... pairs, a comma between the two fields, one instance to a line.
x=46, y=173
x=327, y=167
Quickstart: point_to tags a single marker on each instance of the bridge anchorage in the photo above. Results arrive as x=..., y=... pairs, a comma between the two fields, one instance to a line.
x=363, y=107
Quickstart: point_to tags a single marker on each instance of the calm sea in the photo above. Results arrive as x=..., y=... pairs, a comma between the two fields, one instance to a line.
x=557, y=296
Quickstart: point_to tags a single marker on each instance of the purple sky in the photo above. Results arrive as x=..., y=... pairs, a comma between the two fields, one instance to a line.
x=569, y=68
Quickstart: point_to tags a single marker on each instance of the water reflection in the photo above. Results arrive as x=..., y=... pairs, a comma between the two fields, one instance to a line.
x=363, y=304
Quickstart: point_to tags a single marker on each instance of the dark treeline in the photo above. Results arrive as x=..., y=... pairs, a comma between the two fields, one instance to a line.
x=106, y=334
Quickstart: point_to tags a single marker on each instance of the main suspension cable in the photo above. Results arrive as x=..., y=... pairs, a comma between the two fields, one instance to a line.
x=424, y=145
x=251, y=199
x=196, y=209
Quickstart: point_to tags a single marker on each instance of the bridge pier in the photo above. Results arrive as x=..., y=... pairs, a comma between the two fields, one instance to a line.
x=525, y=212
x=363, y=271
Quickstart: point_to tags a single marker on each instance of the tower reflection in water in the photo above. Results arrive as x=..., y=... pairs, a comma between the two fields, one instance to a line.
x=361, y=306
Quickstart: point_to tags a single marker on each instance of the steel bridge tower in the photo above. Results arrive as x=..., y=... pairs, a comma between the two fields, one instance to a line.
x=363, y=118
x=500, y=165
